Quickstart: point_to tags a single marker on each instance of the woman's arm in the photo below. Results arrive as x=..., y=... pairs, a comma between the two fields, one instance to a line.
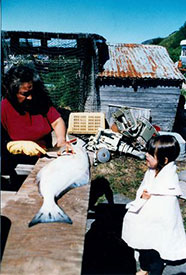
x=60, y=130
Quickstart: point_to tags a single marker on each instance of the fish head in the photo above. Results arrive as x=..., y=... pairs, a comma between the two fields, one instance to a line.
x=78, y=144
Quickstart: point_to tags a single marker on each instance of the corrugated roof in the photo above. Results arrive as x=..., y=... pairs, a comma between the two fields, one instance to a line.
x=140, y=61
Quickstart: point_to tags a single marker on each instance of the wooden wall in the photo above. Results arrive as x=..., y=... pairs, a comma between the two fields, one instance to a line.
x=162, y=101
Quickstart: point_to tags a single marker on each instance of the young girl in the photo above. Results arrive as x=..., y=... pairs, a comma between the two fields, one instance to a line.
x=153, y=224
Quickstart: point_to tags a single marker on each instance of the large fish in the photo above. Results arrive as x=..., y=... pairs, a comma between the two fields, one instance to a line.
x=58, y=177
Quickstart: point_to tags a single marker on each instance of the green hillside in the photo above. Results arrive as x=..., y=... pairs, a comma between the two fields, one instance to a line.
x=171, y=43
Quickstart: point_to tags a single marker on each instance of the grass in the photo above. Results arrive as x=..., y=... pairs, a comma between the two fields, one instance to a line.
x=183, y=92
x=125, y=174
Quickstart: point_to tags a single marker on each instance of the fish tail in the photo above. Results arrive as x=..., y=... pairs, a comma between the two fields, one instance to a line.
x=46, y=215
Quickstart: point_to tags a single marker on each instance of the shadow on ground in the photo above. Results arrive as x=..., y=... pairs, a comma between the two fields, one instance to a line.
x=104, y=250
x=13, y=183
x=5, y=228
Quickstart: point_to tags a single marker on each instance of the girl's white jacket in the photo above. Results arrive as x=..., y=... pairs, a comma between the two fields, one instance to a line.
x=157, y=223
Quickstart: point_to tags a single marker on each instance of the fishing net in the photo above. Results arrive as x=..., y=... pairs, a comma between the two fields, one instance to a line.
x=67, y=66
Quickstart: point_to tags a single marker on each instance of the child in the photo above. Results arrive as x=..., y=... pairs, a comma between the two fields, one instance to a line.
x=153, y=224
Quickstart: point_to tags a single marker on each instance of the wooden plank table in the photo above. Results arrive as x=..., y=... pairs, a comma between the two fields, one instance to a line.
x=52, y=248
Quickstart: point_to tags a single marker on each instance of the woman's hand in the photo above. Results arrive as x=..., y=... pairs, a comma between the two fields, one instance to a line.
x=145, y=195
x=27, y=147
x=60, y=130
x=67, y=147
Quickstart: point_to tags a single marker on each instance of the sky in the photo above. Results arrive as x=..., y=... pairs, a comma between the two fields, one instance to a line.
x=119, y=21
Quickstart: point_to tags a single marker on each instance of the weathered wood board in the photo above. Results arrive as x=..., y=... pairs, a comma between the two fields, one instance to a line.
x=53, y=248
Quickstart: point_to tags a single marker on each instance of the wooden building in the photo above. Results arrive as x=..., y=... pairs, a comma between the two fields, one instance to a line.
x=141, y=76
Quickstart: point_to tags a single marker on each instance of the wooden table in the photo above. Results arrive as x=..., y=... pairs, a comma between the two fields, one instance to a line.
x=52, y=248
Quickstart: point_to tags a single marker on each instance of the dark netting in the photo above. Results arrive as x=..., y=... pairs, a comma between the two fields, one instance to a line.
x=67, y=63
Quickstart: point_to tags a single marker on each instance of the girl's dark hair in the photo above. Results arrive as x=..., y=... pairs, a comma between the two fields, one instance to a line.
x=18, y=75
x=163, y=146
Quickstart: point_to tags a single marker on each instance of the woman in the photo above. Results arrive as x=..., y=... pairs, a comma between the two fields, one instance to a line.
x=27, y=114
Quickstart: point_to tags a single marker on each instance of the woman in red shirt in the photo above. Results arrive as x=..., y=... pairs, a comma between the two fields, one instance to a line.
x=27, y=112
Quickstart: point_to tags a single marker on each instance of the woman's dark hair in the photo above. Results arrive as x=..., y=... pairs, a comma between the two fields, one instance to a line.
x=18, y=75
x=163, y=146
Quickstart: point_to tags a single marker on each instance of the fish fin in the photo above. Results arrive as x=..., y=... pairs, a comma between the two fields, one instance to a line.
x=44, y=215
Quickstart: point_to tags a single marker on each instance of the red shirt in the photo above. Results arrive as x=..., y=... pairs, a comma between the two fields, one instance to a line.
x=26, y=127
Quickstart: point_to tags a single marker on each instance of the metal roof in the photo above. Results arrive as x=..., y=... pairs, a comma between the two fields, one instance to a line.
x=139, y=61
